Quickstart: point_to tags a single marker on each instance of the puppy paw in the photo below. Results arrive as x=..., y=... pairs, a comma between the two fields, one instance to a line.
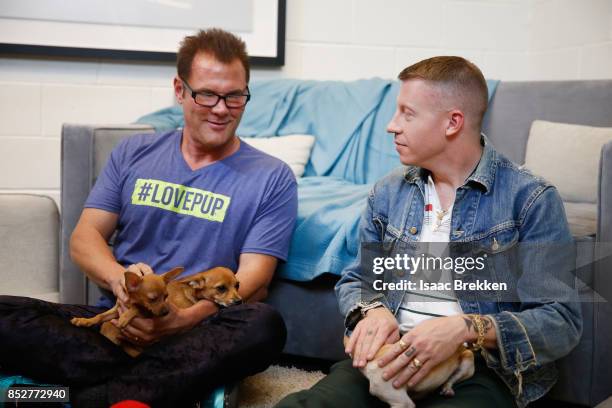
x=447, y=391
x=80, y=322
x=132, y=351
x=122, y=323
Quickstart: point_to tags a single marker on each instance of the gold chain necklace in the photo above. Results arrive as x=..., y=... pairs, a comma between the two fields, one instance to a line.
x=440, y=214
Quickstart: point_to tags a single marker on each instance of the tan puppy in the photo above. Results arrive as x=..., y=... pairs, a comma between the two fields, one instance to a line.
x=459, y=367
x=219, y=285
x=150, y=295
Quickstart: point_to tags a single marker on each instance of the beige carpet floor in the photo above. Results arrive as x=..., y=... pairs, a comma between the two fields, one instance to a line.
x=266, y=389
x=605, y=404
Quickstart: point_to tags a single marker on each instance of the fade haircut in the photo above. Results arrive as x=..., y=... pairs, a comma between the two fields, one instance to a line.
x=224, y=46
x=459, y=80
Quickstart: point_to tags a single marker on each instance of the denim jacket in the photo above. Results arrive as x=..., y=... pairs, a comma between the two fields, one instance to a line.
x=499, y=206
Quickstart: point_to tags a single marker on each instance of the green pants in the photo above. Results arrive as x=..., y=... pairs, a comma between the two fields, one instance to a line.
x=345, y=386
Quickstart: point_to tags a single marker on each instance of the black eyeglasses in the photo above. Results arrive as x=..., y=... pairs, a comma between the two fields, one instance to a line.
x=210, y=99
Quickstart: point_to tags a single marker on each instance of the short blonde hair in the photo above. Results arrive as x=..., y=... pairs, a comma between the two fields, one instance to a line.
x=458, y=79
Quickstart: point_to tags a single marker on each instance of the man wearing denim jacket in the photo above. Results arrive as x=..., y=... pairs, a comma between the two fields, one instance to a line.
x=482, y=199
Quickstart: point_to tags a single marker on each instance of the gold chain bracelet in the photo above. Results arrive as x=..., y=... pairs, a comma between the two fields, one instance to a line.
x=478, y=323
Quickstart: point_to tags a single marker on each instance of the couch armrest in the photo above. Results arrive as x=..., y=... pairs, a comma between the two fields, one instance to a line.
x=602, y=282
x=29, y=227
x=84, y=152
x=604, y=203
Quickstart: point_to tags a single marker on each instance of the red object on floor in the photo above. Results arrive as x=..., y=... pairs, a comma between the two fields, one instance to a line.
x=130, y=404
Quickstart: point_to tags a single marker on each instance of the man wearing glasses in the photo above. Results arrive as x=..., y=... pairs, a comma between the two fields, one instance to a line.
x=195, y=197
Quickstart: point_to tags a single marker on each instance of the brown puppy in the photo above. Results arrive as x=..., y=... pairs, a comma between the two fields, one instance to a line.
x=150, y=294
x=459, y=367
x=219, y=285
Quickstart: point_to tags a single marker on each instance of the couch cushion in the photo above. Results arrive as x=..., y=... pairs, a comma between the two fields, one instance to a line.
x=582, y=218
x=567, y=156
x=292, y=149
x=310, y=310
x=517, y=104
x=29, y=254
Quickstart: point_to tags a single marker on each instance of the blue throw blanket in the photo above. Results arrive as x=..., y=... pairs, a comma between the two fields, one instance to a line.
x=352, y=149
x=326, y=232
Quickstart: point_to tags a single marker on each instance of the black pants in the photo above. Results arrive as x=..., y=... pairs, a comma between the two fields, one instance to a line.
x=345, y=386
x=37, y=340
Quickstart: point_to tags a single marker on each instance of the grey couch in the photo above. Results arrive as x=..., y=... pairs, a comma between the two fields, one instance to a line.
x=310, y=310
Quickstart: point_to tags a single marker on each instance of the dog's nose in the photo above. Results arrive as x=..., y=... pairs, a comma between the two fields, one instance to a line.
x=237, y=302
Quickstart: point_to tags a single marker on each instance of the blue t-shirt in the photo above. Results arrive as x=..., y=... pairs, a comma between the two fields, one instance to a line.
x=170, y=215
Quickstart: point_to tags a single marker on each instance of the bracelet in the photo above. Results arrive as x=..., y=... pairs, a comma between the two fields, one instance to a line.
x=477, y=320
x=364, y=309
x=360, y=310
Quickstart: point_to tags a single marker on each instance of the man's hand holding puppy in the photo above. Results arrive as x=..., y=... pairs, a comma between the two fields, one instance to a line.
x=144, y=332
x=255, y=273
x=117, y=283
x=378, y=327
x=430, y=343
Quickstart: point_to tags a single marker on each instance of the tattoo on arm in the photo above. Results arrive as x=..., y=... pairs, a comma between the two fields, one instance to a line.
x=471, y=325
x=488, y=324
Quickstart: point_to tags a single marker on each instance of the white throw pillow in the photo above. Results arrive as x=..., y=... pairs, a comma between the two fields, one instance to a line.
x=567, y=156
x=292, y=149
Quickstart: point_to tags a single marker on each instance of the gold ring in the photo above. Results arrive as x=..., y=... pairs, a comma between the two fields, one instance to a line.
x=402, y=345
x=416, y=363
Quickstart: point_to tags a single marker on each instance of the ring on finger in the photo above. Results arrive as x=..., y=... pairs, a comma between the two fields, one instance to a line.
x=402, y=345
x=416, y=363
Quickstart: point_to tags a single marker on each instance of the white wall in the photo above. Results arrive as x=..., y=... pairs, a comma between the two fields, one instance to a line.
x=348, y=39
x=507, y=39
x=37, y=96
x=571, y=39
x=326, y=39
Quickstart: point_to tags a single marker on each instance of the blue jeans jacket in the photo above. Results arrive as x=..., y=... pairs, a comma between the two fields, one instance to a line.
x=498, y=207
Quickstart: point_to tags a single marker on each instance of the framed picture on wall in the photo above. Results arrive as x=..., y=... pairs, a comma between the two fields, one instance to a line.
x=137, y=30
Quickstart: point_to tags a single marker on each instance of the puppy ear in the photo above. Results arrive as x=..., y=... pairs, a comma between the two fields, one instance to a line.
x=132, y=281
x=170, y=275
x=198, y=283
